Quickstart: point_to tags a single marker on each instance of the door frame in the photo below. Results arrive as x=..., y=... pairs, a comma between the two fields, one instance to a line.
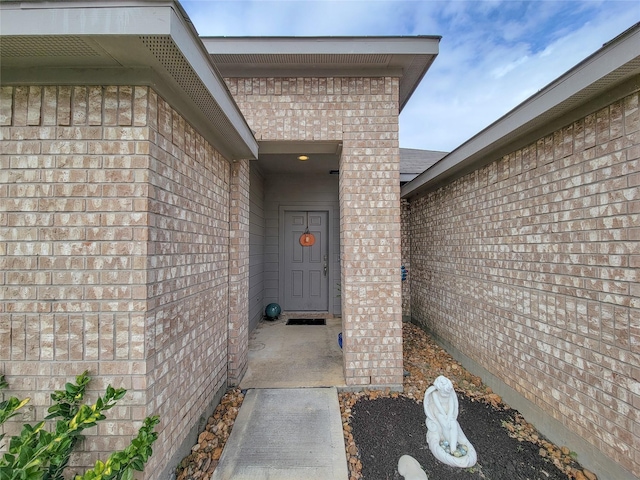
x=315, y=207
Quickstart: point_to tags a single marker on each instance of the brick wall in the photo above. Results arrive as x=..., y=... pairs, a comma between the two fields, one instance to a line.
x=363, y=114
x=189, y=298
x=239, y=272
x=529, y=266
x=114, y=240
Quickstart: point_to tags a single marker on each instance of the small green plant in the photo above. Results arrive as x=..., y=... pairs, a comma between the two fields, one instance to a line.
x=66, y=405
x=40, y=454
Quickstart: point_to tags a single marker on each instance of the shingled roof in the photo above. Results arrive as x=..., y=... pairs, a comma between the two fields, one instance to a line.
x=414, y=161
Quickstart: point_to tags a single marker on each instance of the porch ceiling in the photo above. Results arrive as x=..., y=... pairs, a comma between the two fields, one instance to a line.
x=282, y=157
x=408, y=58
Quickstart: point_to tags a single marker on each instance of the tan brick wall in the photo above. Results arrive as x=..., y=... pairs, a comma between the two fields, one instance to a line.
x=114, y=240
x=363, y=114
x=530, y=266
x=73, y=233
x=189, y=277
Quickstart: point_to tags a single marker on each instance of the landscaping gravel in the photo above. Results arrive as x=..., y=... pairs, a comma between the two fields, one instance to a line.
x=380, y=426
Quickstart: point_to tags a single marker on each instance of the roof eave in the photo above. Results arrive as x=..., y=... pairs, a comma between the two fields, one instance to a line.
x=609, y=74
x=406, y=57
x=114, y=43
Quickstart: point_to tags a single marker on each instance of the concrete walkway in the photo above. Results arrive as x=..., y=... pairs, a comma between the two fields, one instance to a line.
x=286, y=434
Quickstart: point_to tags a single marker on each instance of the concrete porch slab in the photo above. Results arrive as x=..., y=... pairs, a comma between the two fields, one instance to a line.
x=293, y=356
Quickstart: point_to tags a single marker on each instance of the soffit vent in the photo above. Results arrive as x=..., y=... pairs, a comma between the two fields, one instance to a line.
x=169, y=56
x=309, y=59
x=415, y=70
x=48, y=46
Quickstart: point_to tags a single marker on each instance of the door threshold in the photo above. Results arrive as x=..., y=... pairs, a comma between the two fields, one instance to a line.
x=306, y=314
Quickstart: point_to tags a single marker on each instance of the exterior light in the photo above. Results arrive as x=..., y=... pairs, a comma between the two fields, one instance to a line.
x=303, y=158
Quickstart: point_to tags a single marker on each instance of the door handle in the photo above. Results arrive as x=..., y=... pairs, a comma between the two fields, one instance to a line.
x=326, y=266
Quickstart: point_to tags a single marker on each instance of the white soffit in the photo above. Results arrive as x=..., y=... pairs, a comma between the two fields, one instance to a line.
x=607, y=75
x=406, y=57
x=123, y=43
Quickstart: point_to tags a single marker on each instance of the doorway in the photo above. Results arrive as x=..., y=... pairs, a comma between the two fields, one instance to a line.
x=306, y=268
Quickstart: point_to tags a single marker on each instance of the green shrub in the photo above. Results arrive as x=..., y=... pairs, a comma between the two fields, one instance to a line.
x=41, y=454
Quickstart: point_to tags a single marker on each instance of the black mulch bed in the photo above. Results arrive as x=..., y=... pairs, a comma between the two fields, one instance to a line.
x=384, y=429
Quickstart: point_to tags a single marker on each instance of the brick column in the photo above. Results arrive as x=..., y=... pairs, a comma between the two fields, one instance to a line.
x=238, y=340
x=371, y=247
x=405, y=214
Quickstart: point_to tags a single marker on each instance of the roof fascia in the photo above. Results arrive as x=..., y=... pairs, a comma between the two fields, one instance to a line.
x=399, y=45
x=607, y=75
x=43, y=18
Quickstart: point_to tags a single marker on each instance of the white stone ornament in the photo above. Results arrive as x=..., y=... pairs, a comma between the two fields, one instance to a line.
x=445, y=438
x=410, y=468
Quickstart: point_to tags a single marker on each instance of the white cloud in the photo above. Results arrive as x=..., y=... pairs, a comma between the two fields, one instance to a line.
x=470, y=86
x=294, y=18
x=501, y=70
x=493, y=54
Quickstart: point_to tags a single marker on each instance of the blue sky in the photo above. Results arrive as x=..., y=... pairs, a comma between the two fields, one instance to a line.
x=494, y=54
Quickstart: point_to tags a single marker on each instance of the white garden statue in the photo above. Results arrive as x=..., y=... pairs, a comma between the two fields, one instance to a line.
x=446, y=439
x=410, y=468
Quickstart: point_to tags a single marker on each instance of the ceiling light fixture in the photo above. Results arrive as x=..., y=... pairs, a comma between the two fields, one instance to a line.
x=303, y=158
